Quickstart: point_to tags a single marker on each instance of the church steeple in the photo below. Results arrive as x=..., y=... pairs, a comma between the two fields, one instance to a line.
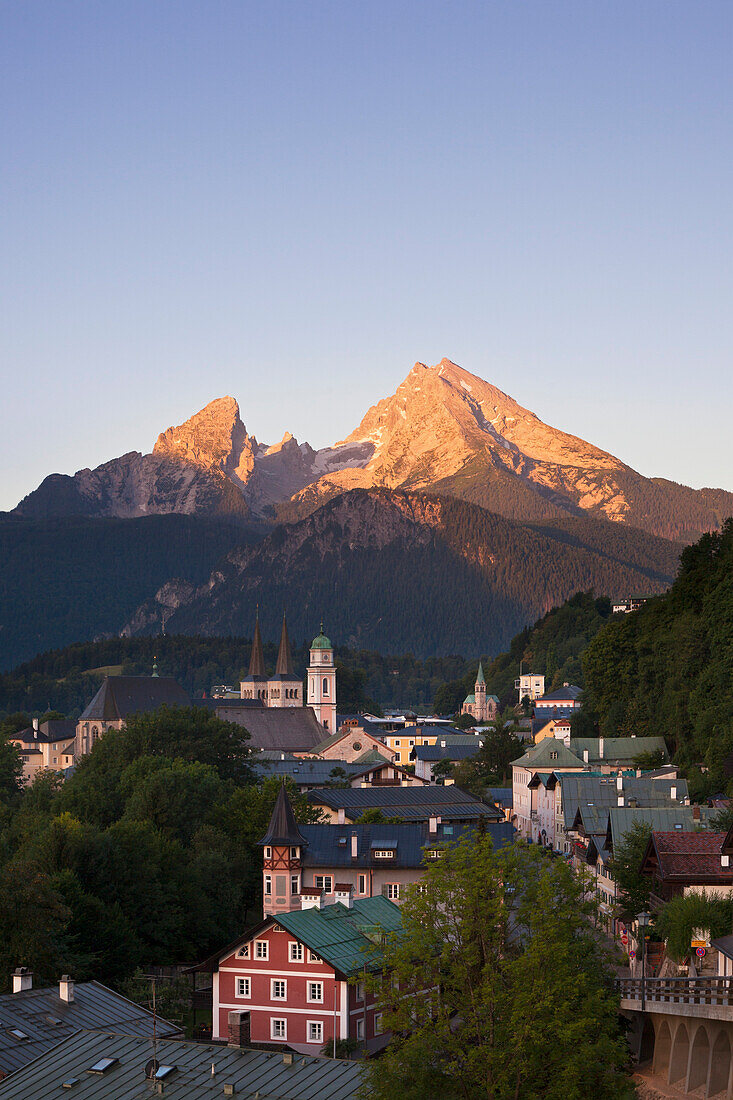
x=254, y=684
x=284, y=666
x=257, y=657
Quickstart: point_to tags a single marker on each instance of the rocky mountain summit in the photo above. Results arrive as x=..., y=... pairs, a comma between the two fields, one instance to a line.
x=444, y=431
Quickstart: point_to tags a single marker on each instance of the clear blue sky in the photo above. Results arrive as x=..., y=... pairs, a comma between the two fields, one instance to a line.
x=293, y=202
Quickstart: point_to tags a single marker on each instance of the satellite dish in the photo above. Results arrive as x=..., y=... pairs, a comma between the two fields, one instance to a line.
x=151, y=1068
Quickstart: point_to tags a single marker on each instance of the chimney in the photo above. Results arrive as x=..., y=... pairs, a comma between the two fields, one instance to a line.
x=310, y=899
x=341, y=816
x=620, y=800
x=35, y=728
x=725, y=861
x=585, y=756
x=66, y=989
x=673, y=793
x=695, y=813
x=433, y=826
x=239, y=1029
x=22, y=979
x=287, y=1057
x=354, y=845
x=619, y=782
x=342, y=893
x=600, y=748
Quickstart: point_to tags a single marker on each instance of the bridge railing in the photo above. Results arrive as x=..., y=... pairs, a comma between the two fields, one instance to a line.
x=693, y=991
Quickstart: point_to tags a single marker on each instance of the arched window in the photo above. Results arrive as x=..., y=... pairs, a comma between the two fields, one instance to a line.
x=325, y=685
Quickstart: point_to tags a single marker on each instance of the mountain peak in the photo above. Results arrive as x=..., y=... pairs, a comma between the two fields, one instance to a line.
x=213, y=438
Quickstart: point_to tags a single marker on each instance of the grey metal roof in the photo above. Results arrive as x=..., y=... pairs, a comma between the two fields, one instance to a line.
x=330, y=845
x=46, y=1019
x=450, y=752
x=661, y=819
x=306, y=771
x=582, y=791
x=252, y=1072
x=409, y=803
x=617, y=750
x=56, y=729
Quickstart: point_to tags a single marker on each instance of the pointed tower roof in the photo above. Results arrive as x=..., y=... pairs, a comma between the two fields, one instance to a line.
x=284, y=666
x=283, y=828
x=257, y=658
x=480, y=677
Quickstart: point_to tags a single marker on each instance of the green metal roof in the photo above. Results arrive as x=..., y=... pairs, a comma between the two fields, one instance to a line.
x=622, y=749
x=347, y=939
x=469, y=699
x=550, y=754
x=480, y=677
x=321, y=642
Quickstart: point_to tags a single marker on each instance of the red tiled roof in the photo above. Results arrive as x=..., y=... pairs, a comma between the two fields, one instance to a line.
x=693, y=856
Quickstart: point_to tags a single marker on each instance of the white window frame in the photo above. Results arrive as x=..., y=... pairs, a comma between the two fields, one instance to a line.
x=378, y=1023
x=246, y=983
x=268, y=886
x=295, y=951
x=362, y=884
x=359, y=991
x=393, y=891
x=243, y=952
x=384, y=853
x=318, y=1024
x=276, y=1021
x=268, y=853
x=360, y=1030
x=313, y=957
x=295, y=884
x=314, y=1000
x=274, y=983
x=324, y=879
x=262, y=950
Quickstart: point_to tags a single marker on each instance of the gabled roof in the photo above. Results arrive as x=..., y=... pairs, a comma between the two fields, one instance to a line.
x=120, y=696
x=307, y=770
x=328, y=742
x=410, y=803
x=689, y=858
x=603, y=791
x=667, y=819
x=330, y=846
x=348, y=939
x=617, y=750
x=55, y=729
x=549, y=755
x=46, y=1019
x=431, y=753
x=283, y=828
x=250, y=1072
x=289, y=729
x=572, y=691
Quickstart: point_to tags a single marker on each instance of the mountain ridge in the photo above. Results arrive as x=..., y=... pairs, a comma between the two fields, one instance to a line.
x=444, y=430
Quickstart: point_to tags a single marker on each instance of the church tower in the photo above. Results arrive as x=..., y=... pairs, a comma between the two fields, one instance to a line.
x=284, y=689
x=480, y=693
x=254, y=685
x=322, y=682
x=283, y=845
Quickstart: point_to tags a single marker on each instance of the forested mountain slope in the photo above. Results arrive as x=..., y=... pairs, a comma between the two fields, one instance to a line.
x=67, y=579
x=411, y=572
x=667, y=669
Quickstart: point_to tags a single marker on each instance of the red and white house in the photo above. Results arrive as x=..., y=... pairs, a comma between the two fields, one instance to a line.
x=297, y=978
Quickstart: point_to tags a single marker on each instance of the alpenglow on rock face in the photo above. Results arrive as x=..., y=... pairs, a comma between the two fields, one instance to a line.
x=443, y=430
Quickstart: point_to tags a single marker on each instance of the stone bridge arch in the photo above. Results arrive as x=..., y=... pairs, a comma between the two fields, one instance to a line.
x=720, y=1064
x=662, y=1048
x=679, y=1055
x=699, y=1058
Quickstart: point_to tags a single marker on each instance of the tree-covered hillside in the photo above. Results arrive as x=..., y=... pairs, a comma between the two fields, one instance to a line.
x=65, y=679
x=667, y=669
x=66, y=579
x=552, y=647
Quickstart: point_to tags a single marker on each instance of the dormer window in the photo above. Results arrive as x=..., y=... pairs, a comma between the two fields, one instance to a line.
x=384, y=853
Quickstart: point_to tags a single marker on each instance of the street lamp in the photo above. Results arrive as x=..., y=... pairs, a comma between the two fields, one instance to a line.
x=643, y=920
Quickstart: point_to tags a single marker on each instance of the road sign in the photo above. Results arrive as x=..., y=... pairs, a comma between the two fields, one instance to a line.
x=699, y=943
x=700, y=952
x=624, y=939
x=632, y=954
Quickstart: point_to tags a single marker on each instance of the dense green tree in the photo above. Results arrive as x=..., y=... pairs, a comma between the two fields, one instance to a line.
x=632, y=887
x=684, y=917
x=499, y=988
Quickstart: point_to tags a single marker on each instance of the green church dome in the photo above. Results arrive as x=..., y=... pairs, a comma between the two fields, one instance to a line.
x=321, y=641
